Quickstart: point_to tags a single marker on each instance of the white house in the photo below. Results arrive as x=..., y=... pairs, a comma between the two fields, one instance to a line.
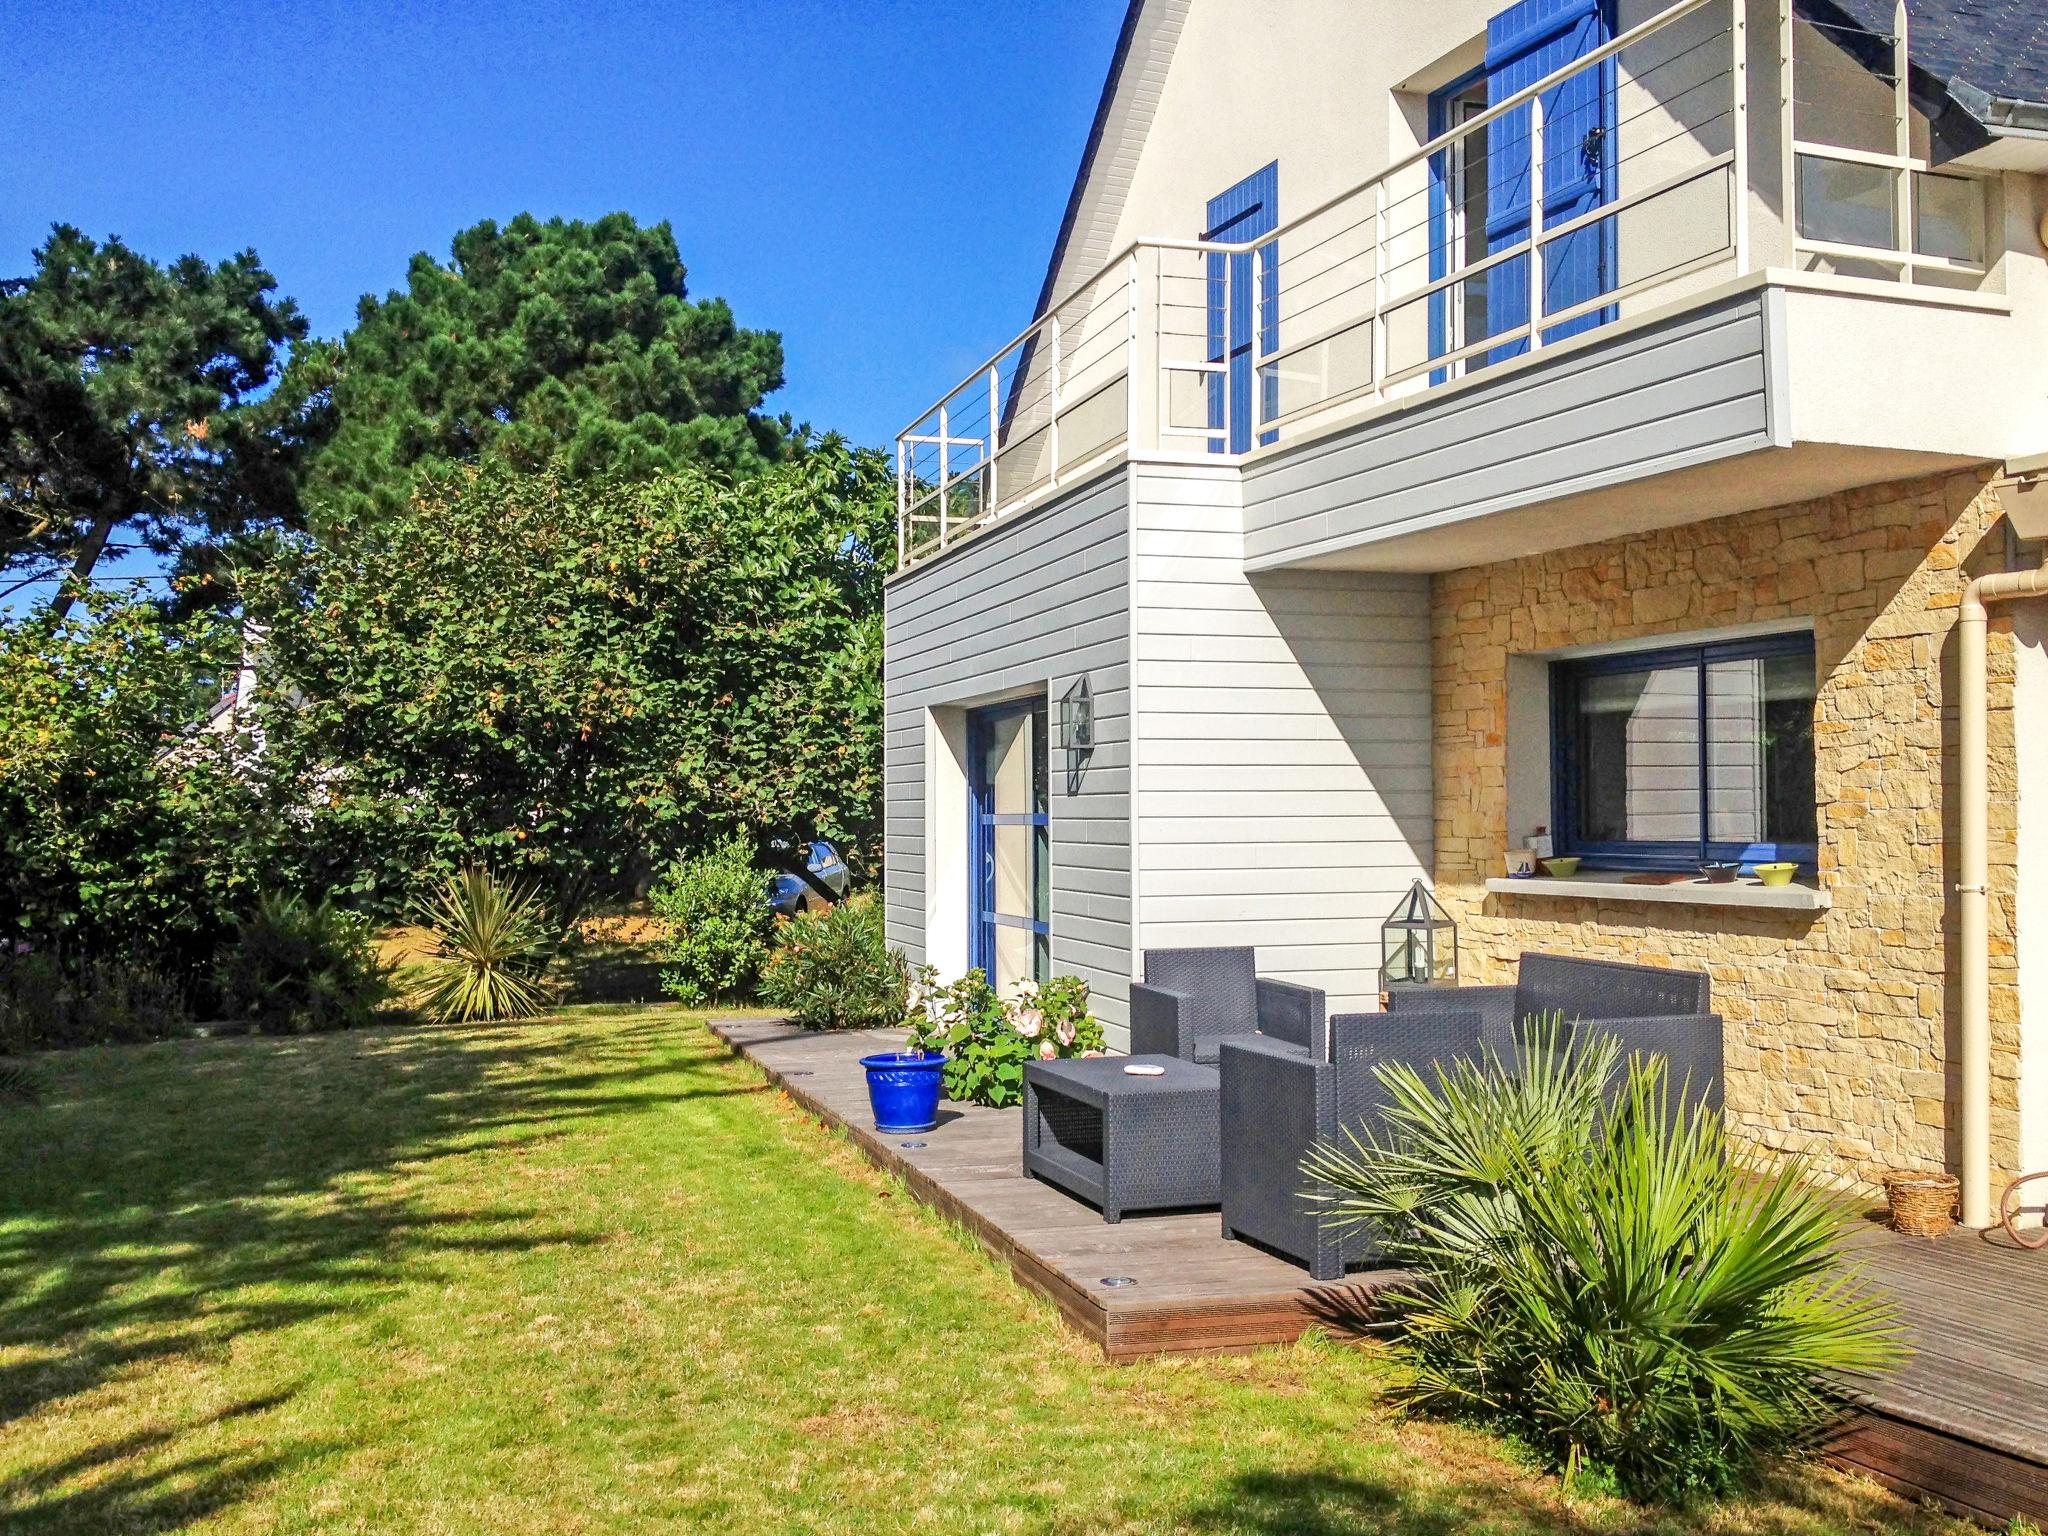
x=1365, y=578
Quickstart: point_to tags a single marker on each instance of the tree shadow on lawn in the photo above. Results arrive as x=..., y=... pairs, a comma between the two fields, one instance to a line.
x=1324, y=1503
x=171, y=1199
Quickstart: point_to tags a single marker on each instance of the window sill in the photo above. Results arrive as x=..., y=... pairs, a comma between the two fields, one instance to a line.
x=1608, y=885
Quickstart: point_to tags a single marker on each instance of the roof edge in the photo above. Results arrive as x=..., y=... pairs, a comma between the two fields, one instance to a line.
x=1088, y=153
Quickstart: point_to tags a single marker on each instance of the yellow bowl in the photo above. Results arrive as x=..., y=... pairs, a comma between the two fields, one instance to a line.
x=1776, y=874
x=1564, y=865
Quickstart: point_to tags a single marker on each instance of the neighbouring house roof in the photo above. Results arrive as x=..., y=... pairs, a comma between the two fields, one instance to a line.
x=1979, y=66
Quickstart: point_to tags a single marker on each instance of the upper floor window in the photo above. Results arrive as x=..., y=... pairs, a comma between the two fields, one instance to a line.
x=1666, y=758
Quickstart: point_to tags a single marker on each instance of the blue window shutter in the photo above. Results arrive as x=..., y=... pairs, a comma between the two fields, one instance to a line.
x=1244, y=212
x=1524, y=43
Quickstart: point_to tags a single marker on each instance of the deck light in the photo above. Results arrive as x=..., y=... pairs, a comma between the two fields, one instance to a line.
x=1419, y=943
x=1115, y=1282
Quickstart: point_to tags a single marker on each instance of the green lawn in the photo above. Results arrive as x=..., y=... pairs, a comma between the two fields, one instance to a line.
x=590, y=1275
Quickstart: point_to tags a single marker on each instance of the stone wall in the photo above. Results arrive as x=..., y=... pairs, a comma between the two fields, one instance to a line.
x=1840, y=1024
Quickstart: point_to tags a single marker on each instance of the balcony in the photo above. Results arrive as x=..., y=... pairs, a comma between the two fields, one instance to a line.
x=1660, y=164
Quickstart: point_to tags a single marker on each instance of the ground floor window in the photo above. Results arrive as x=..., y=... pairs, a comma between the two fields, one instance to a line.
x=1668, y=757
x=1009, y=849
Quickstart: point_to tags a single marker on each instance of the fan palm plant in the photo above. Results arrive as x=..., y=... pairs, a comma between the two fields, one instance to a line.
x=489, y=954
x=1610, y=1279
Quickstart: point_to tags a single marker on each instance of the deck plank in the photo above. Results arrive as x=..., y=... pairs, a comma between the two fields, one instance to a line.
x=1963, y=1421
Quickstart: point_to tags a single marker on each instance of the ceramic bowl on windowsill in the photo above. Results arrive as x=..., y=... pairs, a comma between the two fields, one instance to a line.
x=1561, y=867
x=1776, y=874
x=1719, y=871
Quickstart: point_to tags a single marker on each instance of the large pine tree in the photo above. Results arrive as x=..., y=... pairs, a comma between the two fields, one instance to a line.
x=136, y=408
x=537, y=340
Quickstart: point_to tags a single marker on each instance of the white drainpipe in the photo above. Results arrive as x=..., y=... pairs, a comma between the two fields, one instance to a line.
x=1975, y=878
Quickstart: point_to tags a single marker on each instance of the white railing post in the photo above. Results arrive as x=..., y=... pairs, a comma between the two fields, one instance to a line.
x=1535, y=221
x=945, y=490
x=1053, y=428
x=902, y=509
x=1902, y=140
x=1131, y=353
x=994, y=438
x=1379, y=289
x=1738, y=170
x=1788, y=131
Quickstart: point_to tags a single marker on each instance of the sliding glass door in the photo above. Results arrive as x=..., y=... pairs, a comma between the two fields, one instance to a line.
x=1010, y=871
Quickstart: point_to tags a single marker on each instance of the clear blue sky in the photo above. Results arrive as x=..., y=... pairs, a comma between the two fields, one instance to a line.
x=879, y=180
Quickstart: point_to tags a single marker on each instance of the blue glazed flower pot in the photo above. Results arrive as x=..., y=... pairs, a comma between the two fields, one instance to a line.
x=903, y=1090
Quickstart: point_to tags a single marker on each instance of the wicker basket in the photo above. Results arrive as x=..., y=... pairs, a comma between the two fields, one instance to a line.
x=1922, y=1204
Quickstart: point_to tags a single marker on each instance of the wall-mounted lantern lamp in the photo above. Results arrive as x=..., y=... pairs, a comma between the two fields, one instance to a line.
x=1077, y=729
x=1077, y=717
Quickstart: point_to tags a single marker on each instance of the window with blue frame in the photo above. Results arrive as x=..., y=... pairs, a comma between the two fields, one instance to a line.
x=1010, y=842
x=1664, y=759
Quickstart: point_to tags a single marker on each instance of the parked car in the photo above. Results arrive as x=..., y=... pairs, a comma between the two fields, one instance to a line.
x=818, y=879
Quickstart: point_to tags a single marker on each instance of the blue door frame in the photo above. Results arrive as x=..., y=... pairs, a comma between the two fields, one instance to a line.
x=1244, y=212
x=983, y=819
x=1524, y=43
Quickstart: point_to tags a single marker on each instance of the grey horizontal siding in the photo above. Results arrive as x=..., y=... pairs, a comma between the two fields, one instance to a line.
x=1684, y=392
x=1029, y=604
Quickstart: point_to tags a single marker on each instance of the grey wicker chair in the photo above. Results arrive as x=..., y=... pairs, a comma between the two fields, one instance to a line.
x=1277, y=1103
x=1193, y=999
x=1649, y=1009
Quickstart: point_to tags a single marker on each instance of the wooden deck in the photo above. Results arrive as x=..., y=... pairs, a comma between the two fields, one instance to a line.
x=1193, y=1293
x=1964, y=1421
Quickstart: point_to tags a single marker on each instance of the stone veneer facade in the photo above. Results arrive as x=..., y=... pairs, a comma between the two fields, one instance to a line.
x=1840, y=1023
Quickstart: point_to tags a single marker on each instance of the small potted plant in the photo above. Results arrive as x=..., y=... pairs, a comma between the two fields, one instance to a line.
x=903, y=1086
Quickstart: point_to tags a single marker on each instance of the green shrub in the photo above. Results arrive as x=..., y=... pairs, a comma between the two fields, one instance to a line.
x=120, y=1003
x=107, y=1002
x=987, y=1040
x=125, y=835
x=1620, y=1288
x=488, y=958
x=833, y=968
x=297, y=967
x=716, y=906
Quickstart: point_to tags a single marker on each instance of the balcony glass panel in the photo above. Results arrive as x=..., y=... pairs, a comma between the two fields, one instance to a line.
x=1847, y=203
x=1948, y=217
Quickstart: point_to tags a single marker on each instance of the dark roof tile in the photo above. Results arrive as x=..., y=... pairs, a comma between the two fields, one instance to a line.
x=1998, y=46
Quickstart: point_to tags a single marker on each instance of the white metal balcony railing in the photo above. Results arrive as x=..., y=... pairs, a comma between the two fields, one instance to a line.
x=1640, y=156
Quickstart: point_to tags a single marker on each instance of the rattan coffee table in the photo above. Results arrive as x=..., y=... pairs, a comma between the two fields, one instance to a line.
x=1124, y=1143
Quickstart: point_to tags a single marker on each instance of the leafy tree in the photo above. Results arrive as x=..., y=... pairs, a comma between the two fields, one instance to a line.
x=135, y=399
x=538, y=341
x=578, y=679
x=122, y=831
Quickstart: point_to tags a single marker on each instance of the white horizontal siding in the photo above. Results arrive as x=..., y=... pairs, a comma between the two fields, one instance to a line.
x=1283, y=743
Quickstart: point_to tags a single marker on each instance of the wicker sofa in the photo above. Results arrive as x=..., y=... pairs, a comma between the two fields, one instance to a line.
x=1650, y=1009
x=1277, y=1102
x=1191, y=1000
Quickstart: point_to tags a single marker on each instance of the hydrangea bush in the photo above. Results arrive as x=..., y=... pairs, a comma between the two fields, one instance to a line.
x=987, y=1038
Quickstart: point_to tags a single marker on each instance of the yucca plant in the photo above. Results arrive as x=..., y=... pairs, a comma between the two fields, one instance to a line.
x=1617, y=1285
x=19, y=1084
x=489, y=954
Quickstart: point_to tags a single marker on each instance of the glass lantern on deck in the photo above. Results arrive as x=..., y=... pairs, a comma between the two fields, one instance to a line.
x=1418, y=943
